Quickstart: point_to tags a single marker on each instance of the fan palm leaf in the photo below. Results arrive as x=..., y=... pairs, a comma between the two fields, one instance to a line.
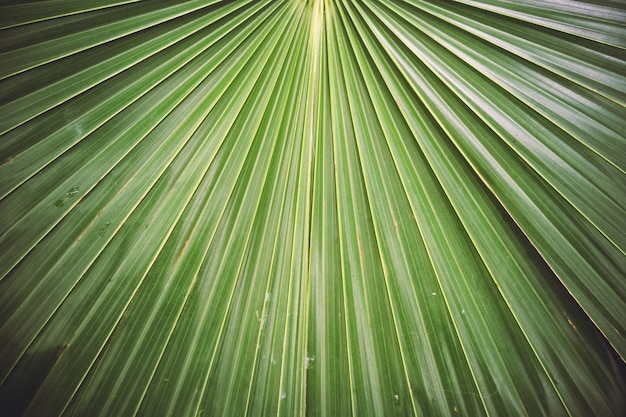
x=312, y=208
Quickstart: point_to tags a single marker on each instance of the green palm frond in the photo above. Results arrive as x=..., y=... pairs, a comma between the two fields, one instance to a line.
x=312, y=208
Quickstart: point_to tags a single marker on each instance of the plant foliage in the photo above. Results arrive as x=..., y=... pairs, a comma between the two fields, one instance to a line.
x=312, y=208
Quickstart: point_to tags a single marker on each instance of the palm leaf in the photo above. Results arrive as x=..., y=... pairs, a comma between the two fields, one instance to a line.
x=320, y=208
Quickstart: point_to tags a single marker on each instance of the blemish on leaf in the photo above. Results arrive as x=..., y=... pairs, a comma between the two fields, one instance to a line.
x=7, y=161
x=72, y=192
x=103, y=229
x=308, y=362
x=65, y=346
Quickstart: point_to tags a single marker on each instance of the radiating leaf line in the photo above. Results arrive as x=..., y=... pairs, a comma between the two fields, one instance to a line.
x=416, y=213
x=587, y=64
x=601, y=23
x=25, y=156
x=363, y=265
x=140, y=15
x=433, y=262
x=418, y=136
x=336, y=103
x=458, y=128
x=134, y=202
x=296, y=360
x=157, y=156
x=346, y=14
x=547, y=161
x=159, y=271
x=565, y=107
x=191, y=76
x=47, y=87
x=31, y=12
x=265, y=320
x=312, y=208
x=222, y=325
x=329, y=384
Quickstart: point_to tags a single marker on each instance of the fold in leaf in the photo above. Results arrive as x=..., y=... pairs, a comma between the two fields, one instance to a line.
x=312, y=208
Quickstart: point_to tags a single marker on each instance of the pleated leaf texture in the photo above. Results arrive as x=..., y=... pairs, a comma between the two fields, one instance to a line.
x=312, y=208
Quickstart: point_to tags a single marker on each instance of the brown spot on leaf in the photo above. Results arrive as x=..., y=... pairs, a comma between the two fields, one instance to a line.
x=7, y=161
x=65, y=346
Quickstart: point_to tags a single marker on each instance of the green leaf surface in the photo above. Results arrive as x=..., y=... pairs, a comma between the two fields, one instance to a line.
x=312, y=208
